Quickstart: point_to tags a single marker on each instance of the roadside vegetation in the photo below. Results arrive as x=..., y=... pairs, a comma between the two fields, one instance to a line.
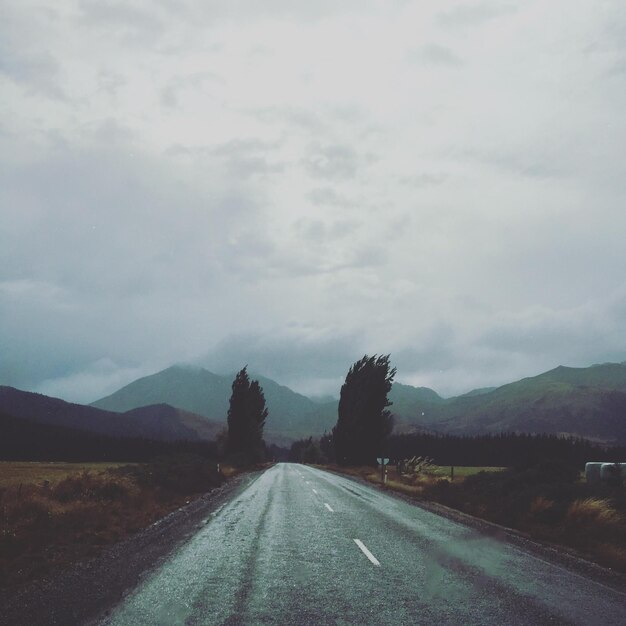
x=52, y=514
x=550, y=502
x=55, y=513
x=529, y=482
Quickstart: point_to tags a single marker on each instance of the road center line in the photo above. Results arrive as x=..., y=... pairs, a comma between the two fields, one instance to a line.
x=315, y=491
x=366, y=552
x=328, y=507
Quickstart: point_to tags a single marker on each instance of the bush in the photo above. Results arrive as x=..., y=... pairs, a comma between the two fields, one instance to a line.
x=181, y=473
x=593, y=511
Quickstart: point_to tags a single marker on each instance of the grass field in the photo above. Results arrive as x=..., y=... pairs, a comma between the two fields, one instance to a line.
x=415, y=482
x=52, y=514
x=13, y=473
x=444, y=471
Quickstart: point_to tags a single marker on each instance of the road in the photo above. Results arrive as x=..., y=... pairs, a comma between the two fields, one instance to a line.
x=303, y=546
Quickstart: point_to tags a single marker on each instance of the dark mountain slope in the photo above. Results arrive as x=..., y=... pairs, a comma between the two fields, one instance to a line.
x=160, y=415
x=26, y=440
x=163, y=423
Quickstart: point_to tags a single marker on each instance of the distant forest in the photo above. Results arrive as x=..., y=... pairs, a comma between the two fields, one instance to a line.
x=501, y=450
x=23, y=440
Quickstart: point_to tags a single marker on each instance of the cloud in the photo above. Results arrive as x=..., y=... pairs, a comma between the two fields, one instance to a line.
x=24, y=60
x=94, y=381
x=471, y=14
x=182, y=84
x=297, y=117
x=423, y=180
x=134, y=22
x=333, y=162
x=249, y=10
x=435, y=54
x=300, y=357
x=171, y=188
x=327, y=196
x=245, y=158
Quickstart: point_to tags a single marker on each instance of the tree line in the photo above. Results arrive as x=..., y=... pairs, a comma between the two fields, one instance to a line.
x=364, y=424
x=363, y=433
x=25, y=440
x=493, y=450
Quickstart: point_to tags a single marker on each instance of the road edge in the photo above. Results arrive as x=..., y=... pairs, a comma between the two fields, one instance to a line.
x=87, y=591
x=555, y=554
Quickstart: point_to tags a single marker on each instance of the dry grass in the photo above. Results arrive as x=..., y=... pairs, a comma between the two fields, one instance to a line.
x=411, y=484
x=69, y=511
x=540, y=505
x=596, y=511
x=560, y=512
x=444, y=471
x=13, y=473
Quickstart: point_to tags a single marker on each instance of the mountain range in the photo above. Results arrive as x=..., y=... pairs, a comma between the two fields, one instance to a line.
x=184, y=402
x=194, y=389
x=158, y=421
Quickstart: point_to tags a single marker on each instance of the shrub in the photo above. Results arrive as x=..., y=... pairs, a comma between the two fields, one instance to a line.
x=181, y=473
x=595, y=511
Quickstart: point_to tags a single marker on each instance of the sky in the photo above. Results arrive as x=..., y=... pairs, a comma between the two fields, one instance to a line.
x=292, y=184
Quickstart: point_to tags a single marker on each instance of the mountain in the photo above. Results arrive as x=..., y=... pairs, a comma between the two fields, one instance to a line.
x=603, y=376
x=159, y=415
x=291, y=415
x=153, y=422
x=588, y=402
x=190, y=388
x=478, y=392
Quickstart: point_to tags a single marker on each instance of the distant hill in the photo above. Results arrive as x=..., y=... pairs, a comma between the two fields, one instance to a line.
x=588, y=402
x=25, y=440
x=291, y=415
x=159, y=422
x=159, y=415
x=190, y=388
x=478, y=392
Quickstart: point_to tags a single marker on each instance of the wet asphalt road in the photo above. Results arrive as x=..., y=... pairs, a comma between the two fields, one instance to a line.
x=302, y=546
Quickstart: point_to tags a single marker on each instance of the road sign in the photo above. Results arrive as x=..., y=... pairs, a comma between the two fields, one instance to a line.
x=382, y=461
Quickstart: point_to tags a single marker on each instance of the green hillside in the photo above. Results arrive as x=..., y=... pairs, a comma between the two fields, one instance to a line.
x=588, y=402
x=194, y=389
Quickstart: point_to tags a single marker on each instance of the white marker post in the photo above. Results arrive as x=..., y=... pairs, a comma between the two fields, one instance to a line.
x=383, y=469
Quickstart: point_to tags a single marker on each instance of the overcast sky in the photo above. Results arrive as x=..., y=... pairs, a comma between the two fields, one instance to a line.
x=294, y=183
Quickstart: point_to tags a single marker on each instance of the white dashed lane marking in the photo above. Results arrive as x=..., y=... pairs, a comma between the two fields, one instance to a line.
x=367, y=553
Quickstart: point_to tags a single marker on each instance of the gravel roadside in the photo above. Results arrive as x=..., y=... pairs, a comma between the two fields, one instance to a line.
x=87, y=590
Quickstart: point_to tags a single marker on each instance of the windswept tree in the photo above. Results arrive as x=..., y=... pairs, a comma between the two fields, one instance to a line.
x=246, y=417
x=364, y=423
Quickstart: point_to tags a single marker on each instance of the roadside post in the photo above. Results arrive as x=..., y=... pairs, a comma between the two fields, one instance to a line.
x=383, y=469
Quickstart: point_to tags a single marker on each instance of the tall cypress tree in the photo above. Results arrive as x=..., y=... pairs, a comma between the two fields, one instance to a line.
x=364, y=423
x=246, y=417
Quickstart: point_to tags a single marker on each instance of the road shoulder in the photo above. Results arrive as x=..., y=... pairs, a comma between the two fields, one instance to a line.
x=87, y=590
x=557, y=555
